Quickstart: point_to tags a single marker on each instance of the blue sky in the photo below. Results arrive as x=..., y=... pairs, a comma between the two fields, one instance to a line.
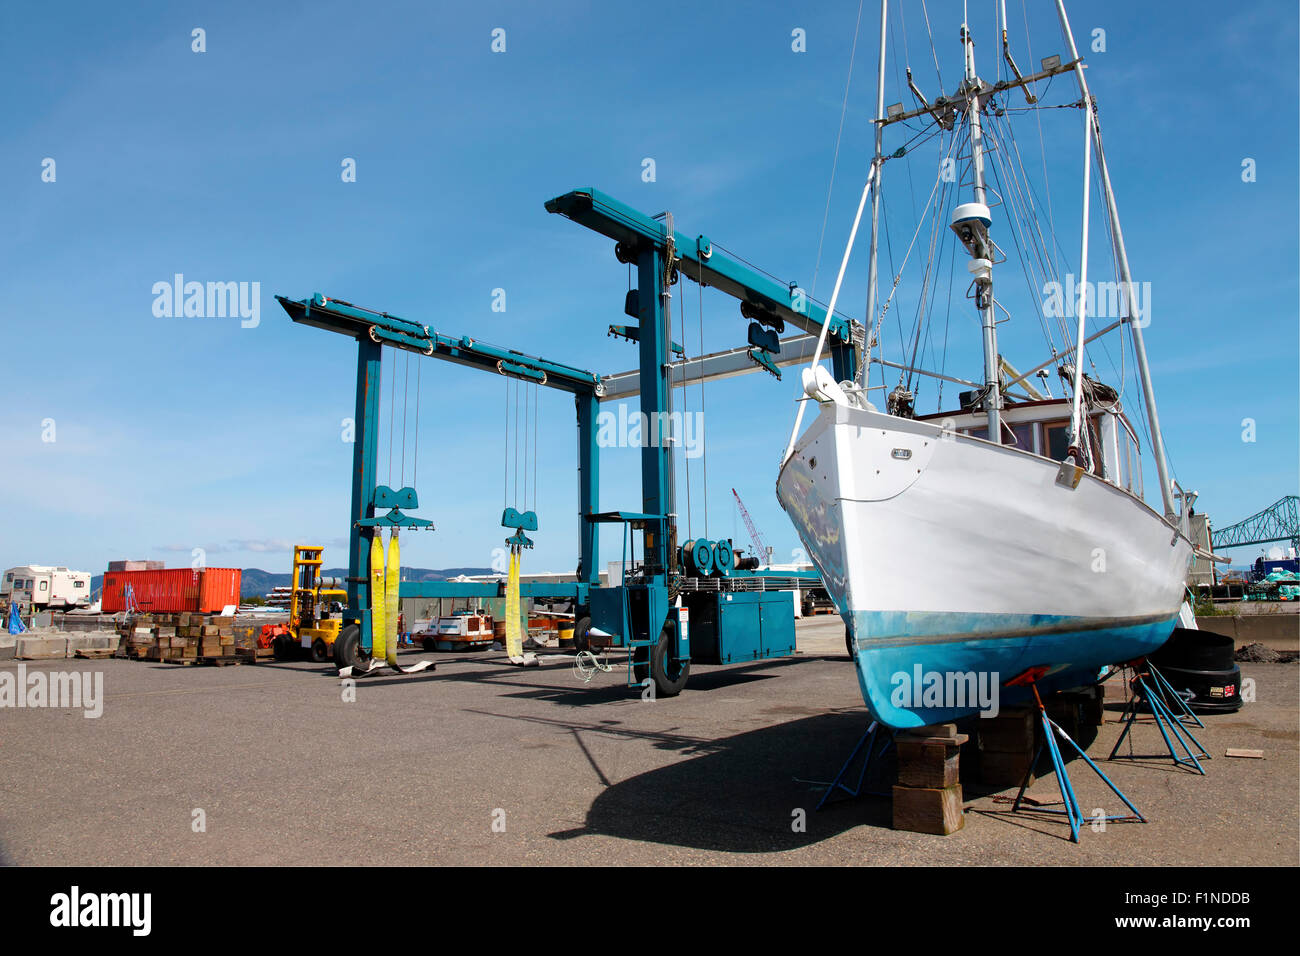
x=177, y=433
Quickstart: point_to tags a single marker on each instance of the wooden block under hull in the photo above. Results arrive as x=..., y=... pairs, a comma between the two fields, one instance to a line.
x=927, y=765
x=934, y=810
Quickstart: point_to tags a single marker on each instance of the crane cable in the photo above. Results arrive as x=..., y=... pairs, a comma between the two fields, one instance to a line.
x=704, y=420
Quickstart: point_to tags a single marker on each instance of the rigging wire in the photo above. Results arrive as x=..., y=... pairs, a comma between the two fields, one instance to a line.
x=933, y=53
x=1042, y=142
x=518, y=389
x=392, y=404
x=528, y=394
x=537, y=398
x=416, y=479
x=830, y=189
x=923, y=296
x=948, y=244
x=898, y=77
x=505, y=459
x=406, y=394
x=873, y=338
x=1014, y=200
x=1039, y=257
x=943, y=366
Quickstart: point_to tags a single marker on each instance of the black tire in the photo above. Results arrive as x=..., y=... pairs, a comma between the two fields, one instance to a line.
x=1217, y=691
x=581, y=641
x=1196, y=650
x=347, y=647
x=669, y=679
x=429, y=644
x=848, y=643
x=283, y=647
x=319, y=652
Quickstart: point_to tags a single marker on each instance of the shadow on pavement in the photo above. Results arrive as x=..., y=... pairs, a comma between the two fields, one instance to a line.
x=742, y=794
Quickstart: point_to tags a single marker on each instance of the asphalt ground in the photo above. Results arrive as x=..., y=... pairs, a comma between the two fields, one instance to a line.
x=480, y=762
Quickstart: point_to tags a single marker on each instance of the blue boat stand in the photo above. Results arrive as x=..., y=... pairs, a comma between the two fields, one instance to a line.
x=1170, y=712
x=866, y=745
x=1072, y=811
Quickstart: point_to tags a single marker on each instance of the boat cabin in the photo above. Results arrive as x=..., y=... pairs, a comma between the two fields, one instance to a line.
x=460, y=631
x=464, y=626
x=1043, y=428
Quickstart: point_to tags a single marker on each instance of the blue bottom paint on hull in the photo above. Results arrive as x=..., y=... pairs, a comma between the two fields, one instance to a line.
x=992, y=647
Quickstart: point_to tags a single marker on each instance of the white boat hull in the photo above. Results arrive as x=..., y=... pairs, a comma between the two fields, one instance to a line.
x=965, y=557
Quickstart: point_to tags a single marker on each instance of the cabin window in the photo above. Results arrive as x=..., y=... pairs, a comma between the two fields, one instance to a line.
x=9, y=577
x=43, y=585
x=1130, y=459
x=78, y=584
x=1024, y=433
x=1098, y=449
x=1057, y=436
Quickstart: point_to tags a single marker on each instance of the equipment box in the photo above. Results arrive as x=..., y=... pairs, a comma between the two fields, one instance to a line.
x=732, y=626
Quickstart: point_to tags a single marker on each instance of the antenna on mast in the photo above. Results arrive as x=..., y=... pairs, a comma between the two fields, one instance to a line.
x=1030, y=98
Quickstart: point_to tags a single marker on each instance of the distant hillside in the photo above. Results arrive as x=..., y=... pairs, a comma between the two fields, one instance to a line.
x=255, y=581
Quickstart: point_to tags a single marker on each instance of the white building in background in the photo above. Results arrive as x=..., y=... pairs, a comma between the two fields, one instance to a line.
x=41, y=587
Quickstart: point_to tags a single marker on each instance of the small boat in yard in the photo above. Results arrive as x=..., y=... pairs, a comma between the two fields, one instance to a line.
x=1006, y=534
x=462, y=631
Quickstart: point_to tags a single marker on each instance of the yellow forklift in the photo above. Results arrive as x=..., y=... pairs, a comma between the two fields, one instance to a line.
x=315, y=611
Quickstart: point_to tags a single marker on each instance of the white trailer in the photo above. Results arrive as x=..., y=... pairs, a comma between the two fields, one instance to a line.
x=42, y=587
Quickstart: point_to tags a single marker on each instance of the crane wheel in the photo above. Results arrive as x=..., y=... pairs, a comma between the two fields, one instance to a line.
x=347, y=646
x=319, y=652
x=669, y=676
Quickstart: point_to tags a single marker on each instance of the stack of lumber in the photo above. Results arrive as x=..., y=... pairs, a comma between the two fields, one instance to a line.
x=185, y=638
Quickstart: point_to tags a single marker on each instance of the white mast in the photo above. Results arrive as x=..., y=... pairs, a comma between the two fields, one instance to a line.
x=1126, y=280
x=877, y=162
x=980, y=246
x=1077, y=425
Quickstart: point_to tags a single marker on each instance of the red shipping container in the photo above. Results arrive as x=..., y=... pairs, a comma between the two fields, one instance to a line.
x=171, y=590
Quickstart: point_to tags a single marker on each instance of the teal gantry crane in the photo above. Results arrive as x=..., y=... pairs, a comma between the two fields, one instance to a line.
x=643, y=612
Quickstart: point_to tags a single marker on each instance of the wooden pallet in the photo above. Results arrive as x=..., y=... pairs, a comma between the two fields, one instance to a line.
x=224, y=660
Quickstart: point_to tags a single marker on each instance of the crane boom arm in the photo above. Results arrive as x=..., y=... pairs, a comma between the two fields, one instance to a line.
x=759, y=545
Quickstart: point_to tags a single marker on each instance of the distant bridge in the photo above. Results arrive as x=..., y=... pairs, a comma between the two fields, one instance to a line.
x=1280, y=521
